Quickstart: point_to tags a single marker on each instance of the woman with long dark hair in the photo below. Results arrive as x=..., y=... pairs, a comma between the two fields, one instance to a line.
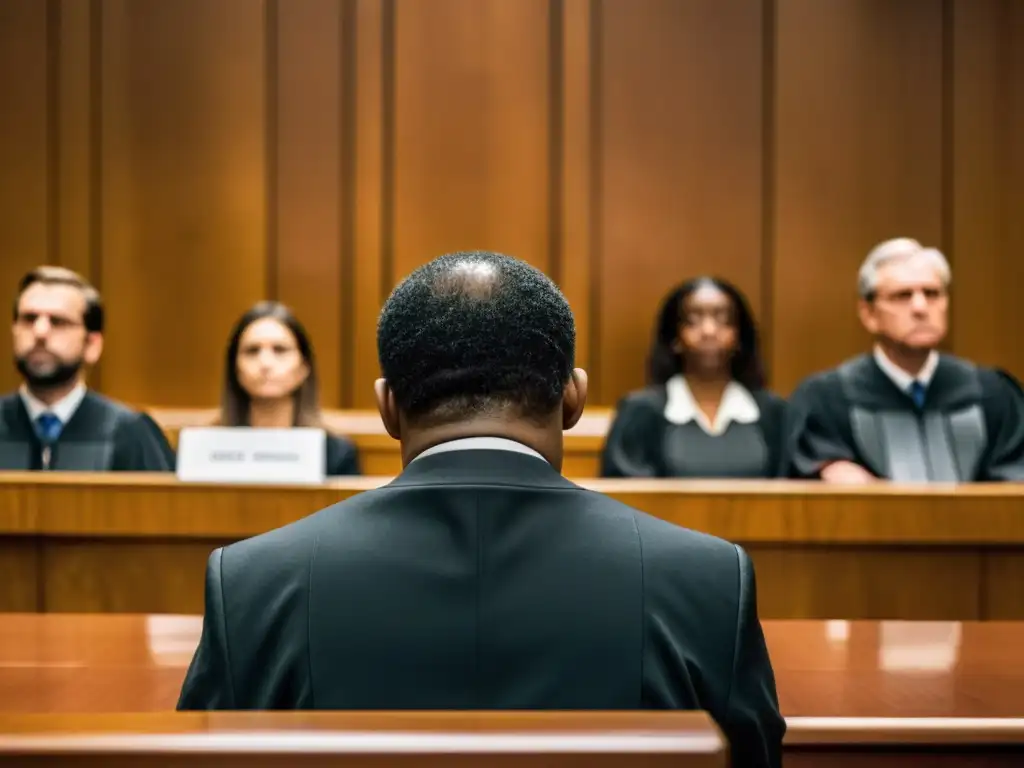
x=706, y=411
x=270, y=380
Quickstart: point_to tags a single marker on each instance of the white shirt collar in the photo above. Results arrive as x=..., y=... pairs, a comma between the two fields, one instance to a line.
x=63, y=409
x=737, y=405
x=481, y=444
x=901, y=378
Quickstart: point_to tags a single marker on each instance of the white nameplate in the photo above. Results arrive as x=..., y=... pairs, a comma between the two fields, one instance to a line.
x=249, y=455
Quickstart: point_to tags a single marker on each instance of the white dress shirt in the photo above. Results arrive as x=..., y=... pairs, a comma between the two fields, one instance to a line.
x=63, y=409
x=901, y=378
x=737, y=405
x=480, y=444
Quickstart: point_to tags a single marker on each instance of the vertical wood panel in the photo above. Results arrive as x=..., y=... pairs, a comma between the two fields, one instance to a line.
x=988, y=201
x=183, y=190
x=24, y=137
x=576, y=276
x=472, y=159
x=374, y=20
x=307, y=203
x=681, y=189
x=193, y=158
x=77, y=212
x=859, y=153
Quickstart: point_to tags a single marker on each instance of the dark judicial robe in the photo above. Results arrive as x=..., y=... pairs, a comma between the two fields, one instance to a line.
x=342, y=456
x=483, y=579
x=969, y=428
x=655, y=433
x=102, y=435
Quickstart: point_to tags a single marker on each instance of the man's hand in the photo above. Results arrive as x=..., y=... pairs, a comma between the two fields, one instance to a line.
x=847, y=472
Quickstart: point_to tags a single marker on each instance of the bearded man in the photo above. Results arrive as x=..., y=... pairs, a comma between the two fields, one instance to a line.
x=54, y=422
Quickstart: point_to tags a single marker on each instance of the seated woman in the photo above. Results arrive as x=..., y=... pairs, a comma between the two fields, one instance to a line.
x=705, y=412
x=270, y=380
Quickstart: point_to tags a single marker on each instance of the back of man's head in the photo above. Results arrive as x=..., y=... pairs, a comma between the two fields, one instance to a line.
x=476, y=334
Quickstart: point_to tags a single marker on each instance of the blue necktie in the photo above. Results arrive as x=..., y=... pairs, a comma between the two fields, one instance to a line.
x=917, y=392
x=48, y=427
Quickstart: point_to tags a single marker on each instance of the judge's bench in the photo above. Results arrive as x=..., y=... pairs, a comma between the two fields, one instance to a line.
x=138, y=543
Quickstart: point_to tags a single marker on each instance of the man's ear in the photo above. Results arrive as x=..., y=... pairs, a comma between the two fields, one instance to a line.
x=574, y=398
x=388, y=408
x=866, y=312
x=93, y=348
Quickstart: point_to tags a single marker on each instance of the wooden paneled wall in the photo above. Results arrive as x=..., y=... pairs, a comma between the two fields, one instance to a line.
x=198, y=155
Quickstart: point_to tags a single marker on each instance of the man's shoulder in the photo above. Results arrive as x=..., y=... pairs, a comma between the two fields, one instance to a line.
x=650, y=398
x=9, y=402
x=830, y=380
x=690, y=578
x=665, y=545
x=292, y=546
x=667, y=550
x=114, y=409
x=287, y=543
x=989, y=377
x=961, y=365
x=664, y=541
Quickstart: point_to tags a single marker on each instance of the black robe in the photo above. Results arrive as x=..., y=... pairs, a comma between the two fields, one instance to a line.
x=970, y=428
x=641, y=442
x=102, y=435
x=342, y=456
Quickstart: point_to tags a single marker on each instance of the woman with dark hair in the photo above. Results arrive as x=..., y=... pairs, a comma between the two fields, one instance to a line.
x=270, y=380
x=705, y=411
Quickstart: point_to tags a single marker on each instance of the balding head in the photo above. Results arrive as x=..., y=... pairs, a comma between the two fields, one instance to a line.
x=476, y=332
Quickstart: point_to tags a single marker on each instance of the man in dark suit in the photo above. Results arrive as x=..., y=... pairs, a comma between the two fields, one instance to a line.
x=480, y=578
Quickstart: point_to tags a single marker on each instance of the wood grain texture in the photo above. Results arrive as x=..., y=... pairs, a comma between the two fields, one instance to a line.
x=373, y=178
x=471, y=136
x=680, y=163
x=988, y=180
x=858, y=159
x=183, y=190
x=195, y=157
x=25, y=151
x=310, y=263
x=356, y=739
x=854, y=693
x=109, y=544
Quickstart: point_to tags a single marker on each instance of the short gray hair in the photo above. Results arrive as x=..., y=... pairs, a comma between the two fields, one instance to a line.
x=897, y=248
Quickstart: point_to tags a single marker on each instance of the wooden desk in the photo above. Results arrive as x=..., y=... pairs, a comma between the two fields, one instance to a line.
x=848, y=690
x=139, y=543
x=367, y=740
x=379, y=454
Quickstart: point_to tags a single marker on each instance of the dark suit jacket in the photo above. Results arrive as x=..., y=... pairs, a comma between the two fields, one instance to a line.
x=483, y=579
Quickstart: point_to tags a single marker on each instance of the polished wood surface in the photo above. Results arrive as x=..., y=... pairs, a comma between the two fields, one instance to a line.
x=416, y=740
x=827, y=672
x=81, y=543
x=875, y=686
x=207, y=154
x=380, y=454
